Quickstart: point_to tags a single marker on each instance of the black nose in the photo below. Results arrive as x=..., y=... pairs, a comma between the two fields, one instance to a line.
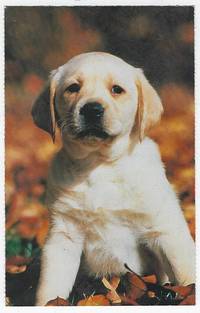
x=92, y=112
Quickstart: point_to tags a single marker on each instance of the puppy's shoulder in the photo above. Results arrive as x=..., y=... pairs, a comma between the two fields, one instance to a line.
x=61, y=169
x=147, y=151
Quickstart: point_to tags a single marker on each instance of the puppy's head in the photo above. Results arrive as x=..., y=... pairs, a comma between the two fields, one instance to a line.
x=97, y=97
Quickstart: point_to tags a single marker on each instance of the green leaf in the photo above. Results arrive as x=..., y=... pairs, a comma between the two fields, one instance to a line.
x=13, y=246
x=28, y=249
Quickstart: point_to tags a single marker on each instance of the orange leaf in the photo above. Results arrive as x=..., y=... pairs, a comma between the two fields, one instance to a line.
x=57, y=302
x=15, y=269
x=183, y=291
x=18, y=260
x=150, y=279
x=27, y=230
x=37, y=190
x=112, y=295
x=32, y=83
x=137, y=281
x=189, y=300
x=42, y=232
x=137, y=286
x=94, y=301
x=128, y=300
x=151, y=294
x=14, y=212
x=115, y=282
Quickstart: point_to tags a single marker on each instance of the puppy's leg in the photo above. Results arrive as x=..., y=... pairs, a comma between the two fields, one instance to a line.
x=174, y=241
x=175, y=245
x=160, y=268
x=179, y=249
x=60, y=262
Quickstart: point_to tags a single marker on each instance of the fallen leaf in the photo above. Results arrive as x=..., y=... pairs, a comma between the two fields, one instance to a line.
x=94, y=301
x=15, y=209
x=189, y=300
x=150, y=279
x=151, y=294
x=115, y=280
x=127, y=300
x=27, y=227
x=137, y=287
x=183, y=291
x=8, y=302
x=57, y=302
x=42, y=232
x=137, y=281
x=37, y=190
x=15, y=269
x=112, y=295
x=32, y=83
x=18, y=260
x=157, y=294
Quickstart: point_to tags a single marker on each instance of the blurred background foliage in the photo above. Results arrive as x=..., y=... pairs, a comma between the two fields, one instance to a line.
x=38, y=39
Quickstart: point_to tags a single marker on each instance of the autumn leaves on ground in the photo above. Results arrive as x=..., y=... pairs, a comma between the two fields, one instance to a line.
x=29, y=150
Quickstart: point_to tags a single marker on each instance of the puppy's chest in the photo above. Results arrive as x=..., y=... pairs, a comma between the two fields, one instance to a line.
x=107, y=196
x=109, y=188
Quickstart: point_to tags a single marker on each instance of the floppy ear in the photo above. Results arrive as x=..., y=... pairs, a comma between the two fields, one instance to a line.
x=149, y=104
x=43, y=110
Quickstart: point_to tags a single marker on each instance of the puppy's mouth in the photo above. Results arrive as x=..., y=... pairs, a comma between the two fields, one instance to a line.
x=93, y=132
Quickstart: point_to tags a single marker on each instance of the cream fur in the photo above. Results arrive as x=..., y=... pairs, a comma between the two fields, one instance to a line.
x=110, y=199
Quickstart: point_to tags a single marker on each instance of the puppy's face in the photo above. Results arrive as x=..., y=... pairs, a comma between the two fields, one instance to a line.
x=97, y=97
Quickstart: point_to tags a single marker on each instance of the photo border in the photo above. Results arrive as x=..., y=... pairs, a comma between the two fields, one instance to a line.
x=160, y=309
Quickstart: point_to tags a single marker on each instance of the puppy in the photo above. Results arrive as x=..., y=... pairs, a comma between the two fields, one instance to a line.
x=108, y=197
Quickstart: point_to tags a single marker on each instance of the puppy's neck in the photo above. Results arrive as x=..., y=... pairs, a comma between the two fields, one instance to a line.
x=121, y=147
x=105, y=152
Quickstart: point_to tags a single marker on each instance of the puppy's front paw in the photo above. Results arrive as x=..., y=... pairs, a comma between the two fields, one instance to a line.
x=46, y=295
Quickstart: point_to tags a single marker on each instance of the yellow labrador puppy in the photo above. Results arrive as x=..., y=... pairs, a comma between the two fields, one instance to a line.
x=108, y=196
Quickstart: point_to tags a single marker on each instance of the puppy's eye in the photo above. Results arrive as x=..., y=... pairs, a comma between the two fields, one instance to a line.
x=73, y=88
x=116, y=89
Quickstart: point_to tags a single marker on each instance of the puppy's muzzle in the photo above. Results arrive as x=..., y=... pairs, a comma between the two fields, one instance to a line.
x=92, y=114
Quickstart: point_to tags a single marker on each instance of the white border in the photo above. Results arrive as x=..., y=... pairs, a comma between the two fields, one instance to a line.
x=98, y=2
x=2, y=165
x=160, y=309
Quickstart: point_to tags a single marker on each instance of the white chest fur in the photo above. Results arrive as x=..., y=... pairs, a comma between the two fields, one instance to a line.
x=107, y=207
x=109, y=188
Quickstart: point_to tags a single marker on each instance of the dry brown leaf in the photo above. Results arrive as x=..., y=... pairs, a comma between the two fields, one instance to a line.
x=137, y=286
x=42, y=232
x=15, y=269
x=151, y=294
x=18, y=260
x=115, y=280
x=15, y=209
x=33, y=209
x=94, y=301
x=127, y=300
x=137, y=281
x=32, y=83
x=57, y=302
x=27, y=227
x=37, y=190
x=183, y=291
x=8, y=302
x=112, y=295
x=189, y=300
x=150, y=279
